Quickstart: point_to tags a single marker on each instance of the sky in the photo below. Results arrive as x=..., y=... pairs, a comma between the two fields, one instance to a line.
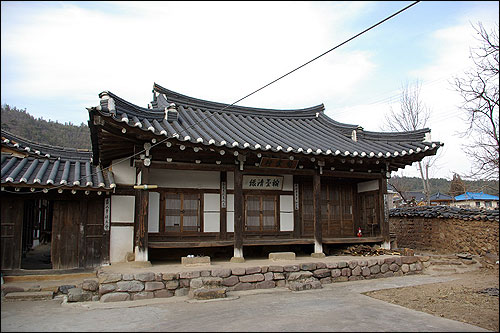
x=56, y=57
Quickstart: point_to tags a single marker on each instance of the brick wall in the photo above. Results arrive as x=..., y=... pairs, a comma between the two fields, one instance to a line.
x=447, y=235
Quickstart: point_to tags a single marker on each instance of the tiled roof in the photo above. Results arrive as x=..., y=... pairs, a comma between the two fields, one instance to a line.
x=440, y=197
x=48, y=166
x=419, y=196
x=446, y=212
x=299, y=131
x=475, y=196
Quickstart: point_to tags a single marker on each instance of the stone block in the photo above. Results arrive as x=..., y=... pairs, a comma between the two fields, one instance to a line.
x=423, y=258
x=239, y=271
x=342, y=264
x=106, y=288
x=212, y=281
x=181, y=292
x=320, y=265
x=372, y=262
x=196, y=283
x=280, y=283
x=278, y=276
x=318, y=255
x=205, y=273
x=115, y=297
x=405, y=268
x=355, y=278
x=356, y=271
x=282, y=256
x=127, y=277
x=409, y=260
x=398, y=273
x=322, y=273
x=418, y=266
x=132, y=286
x=163, y=293
x=143, y=295
x=374, y=269
x=110, y=278
x=308, y=266
x=221, y=272
x=388, y=274
x=325, y=280
x=189, y=275
x=78, y=295
x=346, y=271
x=145, y=277
x=237, y=260
x=195, y=261
x=252, y=278
x=398, y=260
x=264, y=269
x=184, y=283
x=353, y=263
x=252, y=270
x=90, y=285
x=384, y=267
x=268, y=284
x=64, y=288
x=172, y=284
x=291, y=268
x=277, y=269
x=154, y=285
x=332, y=265
x=95, y=298
x=207, y=293
x=230, y=281
x=413, y=268
x=394, y=267
x=299, y=275
x=365, y=271
x=268, y=276
x=158, y=277
x=336, y=272
x=244, y=286
x=170, y=276
x=340, y=279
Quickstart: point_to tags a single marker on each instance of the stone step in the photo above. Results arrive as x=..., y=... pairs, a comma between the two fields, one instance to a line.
x=30, y=295
x=445, y=262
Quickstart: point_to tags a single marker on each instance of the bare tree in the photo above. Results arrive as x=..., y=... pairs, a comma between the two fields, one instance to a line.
x=412, y=115
x=479, y=89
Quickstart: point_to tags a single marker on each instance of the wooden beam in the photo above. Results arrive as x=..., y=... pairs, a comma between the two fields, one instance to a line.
x=318, y=235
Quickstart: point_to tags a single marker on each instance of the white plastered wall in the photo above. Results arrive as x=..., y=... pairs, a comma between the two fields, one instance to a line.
x=230, y=212
x=154, y=212
x=211, y=212
x=123, y=172
x=286, y=212
x=185, y=178
x=121, y=237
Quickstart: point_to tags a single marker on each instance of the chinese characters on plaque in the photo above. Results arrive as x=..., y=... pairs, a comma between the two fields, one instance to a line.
x=268, y=162
x=262, y=182
x=107, y=211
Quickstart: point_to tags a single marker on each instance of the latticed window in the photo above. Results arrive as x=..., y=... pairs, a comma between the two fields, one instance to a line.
x=182, y=212
x=261, y=213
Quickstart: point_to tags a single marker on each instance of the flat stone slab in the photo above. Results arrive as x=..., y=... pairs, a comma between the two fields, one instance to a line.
x=192, y=261
x=237, y=259
x=318, y=255
x=282, y=256
x=30, y=296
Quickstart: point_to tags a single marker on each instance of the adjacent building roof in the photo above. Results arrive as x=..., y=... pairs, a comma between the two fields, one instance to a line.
x=440, y=197
x=37, y=165
x=419, y=196
x=475, y=196
x=305, y=131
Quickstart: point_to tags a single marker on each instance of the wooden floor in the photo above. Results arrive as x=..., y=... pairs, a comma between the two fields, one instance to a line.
x=249, y=242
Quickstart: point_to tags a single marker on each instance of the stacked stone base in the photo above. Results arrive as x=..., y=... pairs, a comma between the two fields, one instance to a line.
x=214, y=283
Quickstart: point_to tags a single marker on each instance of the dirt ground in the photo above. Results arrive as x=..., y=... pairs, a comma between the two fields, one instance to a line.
x=459, y=299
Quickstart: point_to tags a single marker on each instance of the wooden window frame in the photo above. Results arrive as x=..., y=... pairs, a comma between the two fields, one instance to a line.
x=259, y=194
x=163, y=206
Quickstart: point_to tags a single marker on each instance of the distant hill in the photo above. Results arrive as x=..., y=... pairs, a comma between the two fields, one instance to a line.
x=21, y=123
x=442, y=185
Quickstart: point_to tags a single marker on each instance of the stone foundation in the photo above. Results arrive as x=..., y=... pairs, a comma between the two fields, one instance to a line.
x=112, y=287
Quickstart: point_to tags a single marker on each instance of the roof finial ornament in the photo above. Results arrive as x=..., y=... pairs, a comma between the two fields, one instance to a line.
x=171, y=113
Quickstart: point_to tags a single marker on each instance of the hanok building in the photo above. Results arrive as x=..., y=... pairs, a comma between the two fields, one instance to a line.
x=55, y=197
x=192, y=173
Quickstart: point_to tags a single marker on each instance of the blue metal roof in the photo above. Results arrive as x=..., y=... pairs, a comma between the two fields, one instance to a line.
x=475, y=196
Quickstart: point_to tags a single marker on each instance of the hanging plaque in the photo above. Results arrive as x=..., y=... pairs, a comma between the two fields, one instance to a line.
x=296, y=196
x=268, y=162
x=262, y=182
x=107, y=213
x=223, y=195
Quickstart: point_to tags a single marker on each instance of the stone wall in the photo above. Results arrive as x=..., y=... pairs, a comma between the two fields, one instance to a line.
x=446, y=235
x=111, y=287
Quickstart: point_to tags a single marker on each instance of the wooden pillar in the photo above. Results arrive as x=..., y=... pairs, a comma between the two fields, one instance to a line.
x=238, y=215
x=82, y=249
x=318, y=234
x=223, y=205
x=384, y=213
x=141, y=239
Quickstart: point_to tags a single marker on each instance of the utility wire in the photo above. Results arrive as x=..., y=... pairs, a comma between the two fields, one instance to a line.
x=252, y=93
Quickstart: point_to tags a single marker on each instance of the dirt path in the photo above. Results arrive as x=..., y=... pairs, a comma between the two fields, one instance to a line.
x=459, y=299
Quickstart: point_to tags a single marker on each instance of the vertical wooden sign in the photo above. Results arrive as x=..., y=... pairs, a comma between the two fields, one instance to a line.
x=107, y=213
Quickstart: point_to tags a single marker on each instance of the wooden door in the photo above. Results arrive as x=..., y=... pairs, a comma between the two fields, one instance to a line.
x=65, y=234
x=369, y=217
x=11, y=230
x=95, y=245
x=307, y=208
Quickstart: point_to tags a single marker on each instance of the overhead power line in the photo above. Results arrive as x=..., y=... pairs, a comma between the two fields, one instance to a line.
x=255, y=91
